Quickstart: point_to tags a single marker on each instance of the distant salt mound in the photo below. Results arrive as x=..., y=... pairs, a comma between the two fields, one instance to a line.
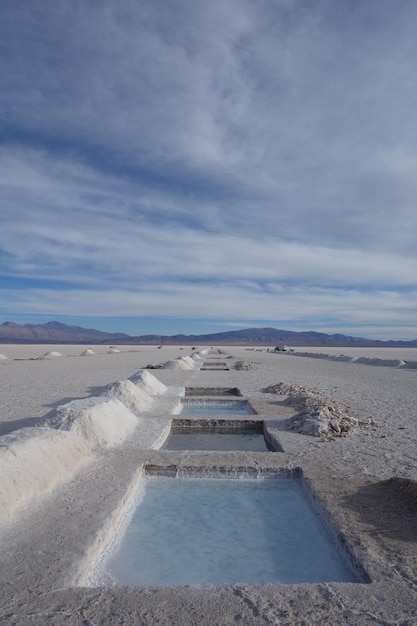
x=387, y=362
x=410, y=365
x=3, y=357
x=195, y=356
x=364, y=360
x=148, y=383
x=245, y=365
x=177, y=364
x=33, y=461
x=52, y=355
x=133, y=397
x=103, y=422
x=189, y=360
x=341, y=357
x=312, y=355
x=88, y=352
x=113, y=351
x=380, y=362
x=285, y=389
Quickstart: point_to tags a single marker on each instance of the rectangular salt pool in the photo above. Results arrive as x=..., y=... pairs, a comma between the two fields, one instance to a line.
x=195, y=531
x=221, y=435
x=214, y=365
x=249, y=441
x=212, y=391
x=215, y=407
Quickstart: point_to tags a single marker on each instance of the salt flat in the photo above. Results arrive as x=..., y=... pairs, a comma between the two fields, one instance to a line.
x=366, y=481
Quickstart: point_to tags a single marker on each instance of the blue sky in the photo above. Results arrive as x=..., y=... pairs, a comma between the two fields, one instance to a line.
x=201, y=166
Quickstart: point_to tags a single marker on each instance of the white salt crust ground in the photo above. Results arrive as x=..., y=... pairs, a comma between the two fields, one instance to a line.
x=366, y=480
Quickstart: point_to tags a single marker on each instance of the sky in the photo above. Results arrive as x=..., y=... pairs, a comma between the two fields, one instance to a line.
x=194, y=167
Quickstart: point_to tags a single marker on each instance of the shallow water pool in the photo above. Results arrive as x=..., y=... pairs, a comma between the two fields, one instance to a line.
x=216, y=407
x=194, y=531
x=221, y=442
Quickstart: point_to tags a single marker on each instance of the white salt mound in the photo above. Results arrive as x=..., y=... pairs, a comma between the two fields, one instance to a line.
x=133, y=397
x=189, y=360
x=380, y=362
x=245, y=365
x=387, y=362
x=52, y=354
x=33, y=461
x=364, y=360
x=88, y=352
x=113, y=351
x=104, y=422
x=177, y=364
x=148, y=383
x=410, y=365
x=318, y=416
x=3, y=357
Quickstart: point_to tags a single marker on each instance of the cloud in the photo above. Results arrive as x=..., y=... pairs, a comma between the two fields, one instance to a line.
x=225, y=145
x=319, y=309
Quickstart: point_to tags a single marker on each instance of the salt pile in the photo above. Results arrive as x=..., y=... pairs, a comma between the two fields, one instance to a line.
x=189, y=360
x=3, y=357
x=177, y=364
x=131, y=395
x=318, y=416
x=410, y=365
x=245, y=365
x=148, y=383
x=52, y=355
x=33, y=461
x=387, y=362
x=362, y=360
x=104, y=422
x=113, y=351
x=88, y=352
x=365, y=360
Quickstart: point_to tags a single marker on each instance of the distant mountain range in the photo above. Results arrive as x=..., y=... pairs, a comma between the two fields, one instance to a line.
x=55, y=332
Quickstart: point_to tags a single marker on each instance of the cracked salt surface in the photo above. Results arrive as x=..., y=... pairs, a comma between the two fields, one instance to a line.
x=198, y=531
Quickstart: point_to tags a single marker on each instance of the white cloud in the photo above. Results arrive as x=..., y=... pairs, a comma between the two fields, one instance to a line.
x=260, y=148
x=70, y=221
x=306, y=308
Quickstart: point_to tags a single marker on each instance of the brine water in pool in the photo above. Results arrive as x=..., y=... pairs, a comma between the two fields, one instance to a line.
x=195, y=531
x=216, y=407
x=218, y=441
